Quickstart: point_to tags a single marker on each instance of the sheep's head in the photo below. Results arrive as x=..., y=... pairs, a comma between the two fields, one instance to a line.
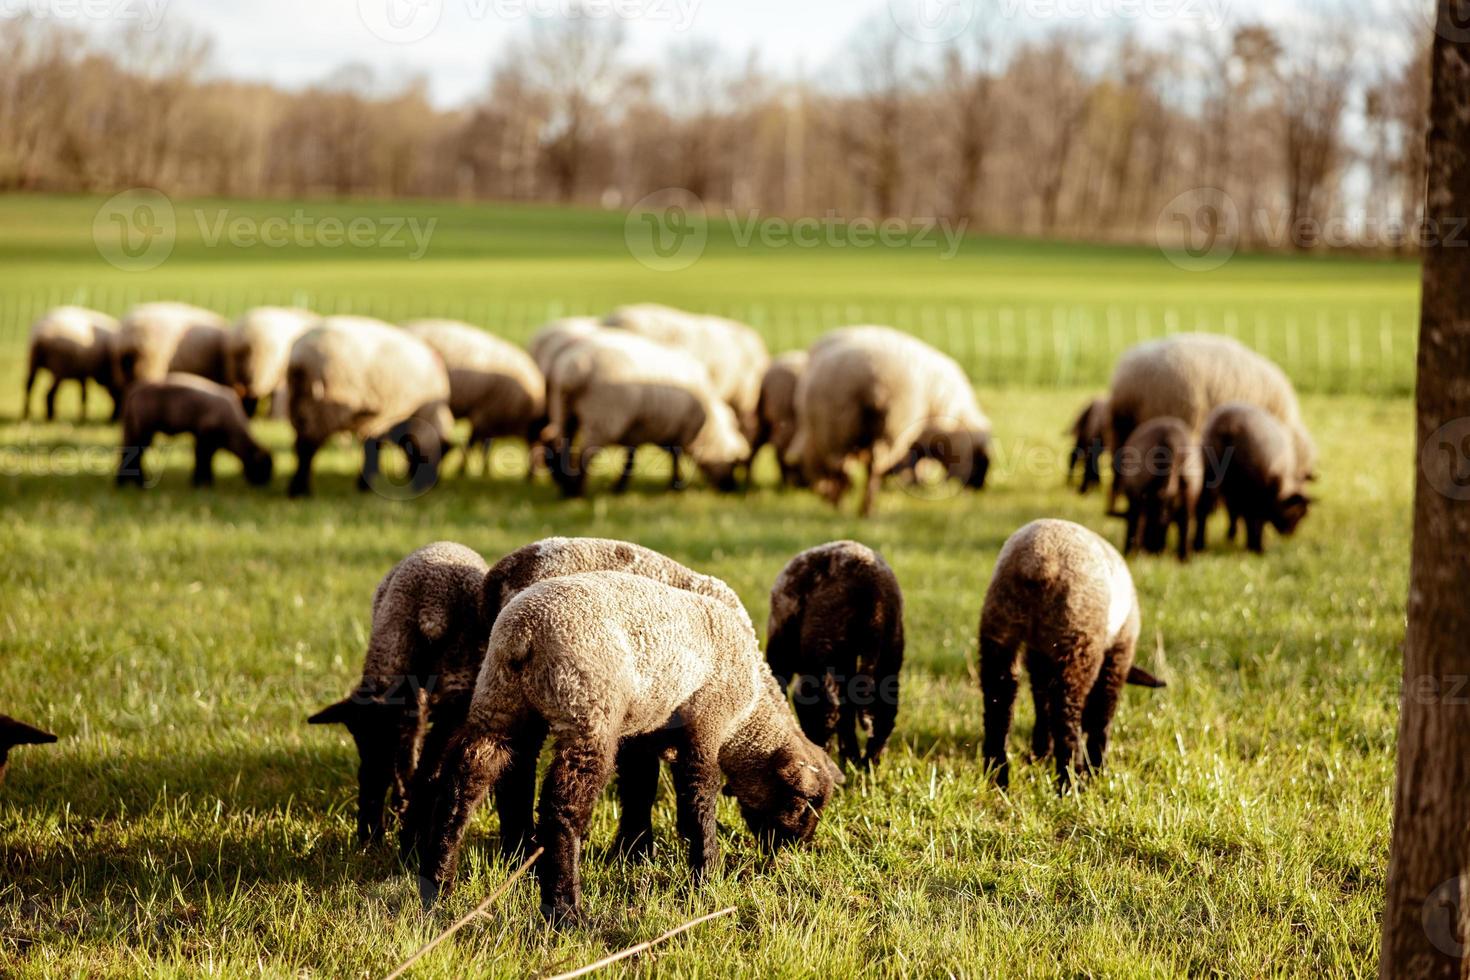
x=1289, y=512
x=782, y=803
x=13, y=733
x=979, y=465
x=372, y=724
x=259, y=466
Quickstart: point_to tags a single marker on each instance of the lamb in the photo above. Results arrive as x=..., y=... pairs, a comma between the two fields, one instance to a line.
x=885, y=397
x=423, y=655
x=156, y=339
x=836, y=629
x=494, y=384
x=257, y=350
x=616, y=388
x=1090, y=435
x=1066, y=595
x=181, y=403
x=13, y=733
x=360, y=375
x=1161, y=473
x=1260, y=477
x=71, y=344
x=1189, y=375
x=776, y=410
x=733, y=353
x=602, y=657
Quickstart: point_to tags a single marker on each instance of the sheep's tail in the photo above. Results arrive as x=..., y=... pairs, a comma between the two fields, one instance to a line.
x=512, y=642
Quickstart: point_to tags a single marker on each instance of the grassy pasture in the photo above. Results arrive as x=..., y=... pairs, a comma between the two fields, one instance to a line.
x=191, y=822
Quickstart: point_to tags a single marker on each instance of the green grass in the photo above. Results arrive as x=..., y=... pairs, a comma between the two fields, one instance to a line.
x=190, y=821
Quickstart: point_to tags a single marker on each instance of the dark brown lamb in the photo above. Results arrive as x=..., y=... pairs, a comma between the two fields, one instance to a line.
x=13, y=733
x=836, y=632
x=184, y=403
x=1160, y=472
x=1259, y=474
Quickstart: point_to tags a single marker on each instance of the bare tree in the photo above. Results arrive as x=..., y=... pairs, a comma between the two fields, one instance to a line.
x=872, y=128
x=1424, y=922
x=1315, y=87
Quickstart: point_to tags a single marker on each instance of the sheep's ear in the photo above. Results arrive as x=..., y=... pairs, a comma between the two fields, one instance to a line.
x=340, y=713
x=13, y=732
x=1139, y=677
x=728, y=791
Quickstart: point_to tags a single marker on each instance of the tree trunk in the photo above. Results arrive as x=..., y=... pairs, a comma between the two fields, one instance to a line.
x=1425, y=915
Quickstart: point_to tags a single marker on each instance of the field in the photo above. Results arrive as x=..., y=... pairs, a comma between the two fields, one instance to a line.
x=189, y=821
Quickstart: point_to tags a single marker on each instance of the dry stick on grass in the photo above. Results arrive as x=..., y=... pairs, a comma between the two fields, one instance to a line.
x=635, y=950
x=461, y=923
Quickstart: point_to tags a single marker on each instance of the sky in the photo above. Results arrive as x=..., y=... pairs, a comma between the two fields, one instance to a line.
x=453, y=43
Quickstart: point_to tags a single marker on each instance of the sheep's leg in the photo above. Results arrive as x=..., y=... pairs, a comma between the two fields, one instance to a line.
x=1065, y=700
x=25, y=404
x=117, y=405
x=371, y=460
x=697, y=781
x=205, y=446
x=1254, y=534
x=251, y=405
x=130, y=463
x=884, y=714
x=847, y=734
x=83, y=416
x=1130, y=536
x=998, y=689
x=446, y=719
x=627, y=475
x=1102, y=701
x=579, y=771
x=306, y=451
x=1181, y=521
x=515, y=794
x=473, y=762
x=870, y=489
x=818, y=706
x=1039, y=669
x=1203, y=508
x=1234, y=523
x=676, y=478
x=51, y=399
x=407, y=757
x=638, y=761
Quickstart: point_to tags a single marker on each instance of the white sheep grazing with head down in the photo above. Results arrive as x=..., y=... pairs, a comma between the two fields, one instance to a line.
x=734, y=355
x=1187, y=376
x=886, y=398
x=360, y=375
x=617, y=389
x=158, y=339
x=71, y=343
x=257, y=350
x=492, y=382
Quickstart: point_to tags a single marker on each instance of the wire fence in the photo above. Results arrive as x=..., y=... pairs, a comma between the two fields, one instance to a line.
x=1362, y=351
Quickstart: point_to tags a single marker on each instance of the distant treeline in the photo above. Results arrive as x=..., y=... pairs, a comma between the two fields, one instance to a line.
x=1053, y=134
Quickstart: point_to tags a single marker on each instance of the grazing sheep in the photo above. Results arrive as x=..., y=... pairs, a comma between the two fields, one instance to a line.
x=360, y=375
x=618, y=389
x=733, y=353
x=13, y=733
x=549, y=341
x=257, y=350
x=494, y=384
x=1065, y=594
x=776, y=411
x=602, y=657
x=836, y=629
x=1187, y=376
x=183, y=403
x=72, y=344
x=423, y=655
x=1161, y=473
x=1259, y=477
x=156, y=339
x=1090, y=435
x=885, y=397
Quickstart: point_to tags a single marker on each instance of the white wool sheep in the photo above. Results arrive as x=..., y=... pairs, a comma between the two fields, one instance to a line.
x=360, y=375
x=71, y=343
x=156, y=339
x=884, y=396
x=776, y=411
x=618, y=389
x=492, y=383
x=603, y=659
x=257, y=351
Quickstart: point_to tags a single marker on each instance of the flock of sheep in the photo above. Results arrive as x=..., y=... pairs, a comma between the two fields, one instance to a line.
x=624, y=656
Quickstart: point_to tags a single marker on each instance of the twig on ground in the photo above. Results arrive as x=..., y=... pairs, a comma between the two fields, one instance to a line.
x=635, y=950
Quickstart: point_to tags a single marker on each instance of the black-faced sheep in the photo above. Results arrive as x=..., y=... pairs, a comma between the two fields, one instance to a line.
x=886, y=398
x=257, y=350
x=183, y=403
x=836, y=631
x=776, y=411
x=1187, y=376
x=71, y=344
x=492, y=383
x=156, y=339
x=423, y=655
x=1064, y=594
x=1160, y=473
x=359, y=375
x=13, y=733
x=599, y=658
x=550, y=340
x=1257, y=474
x=618, y=389
x=1089, y=442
